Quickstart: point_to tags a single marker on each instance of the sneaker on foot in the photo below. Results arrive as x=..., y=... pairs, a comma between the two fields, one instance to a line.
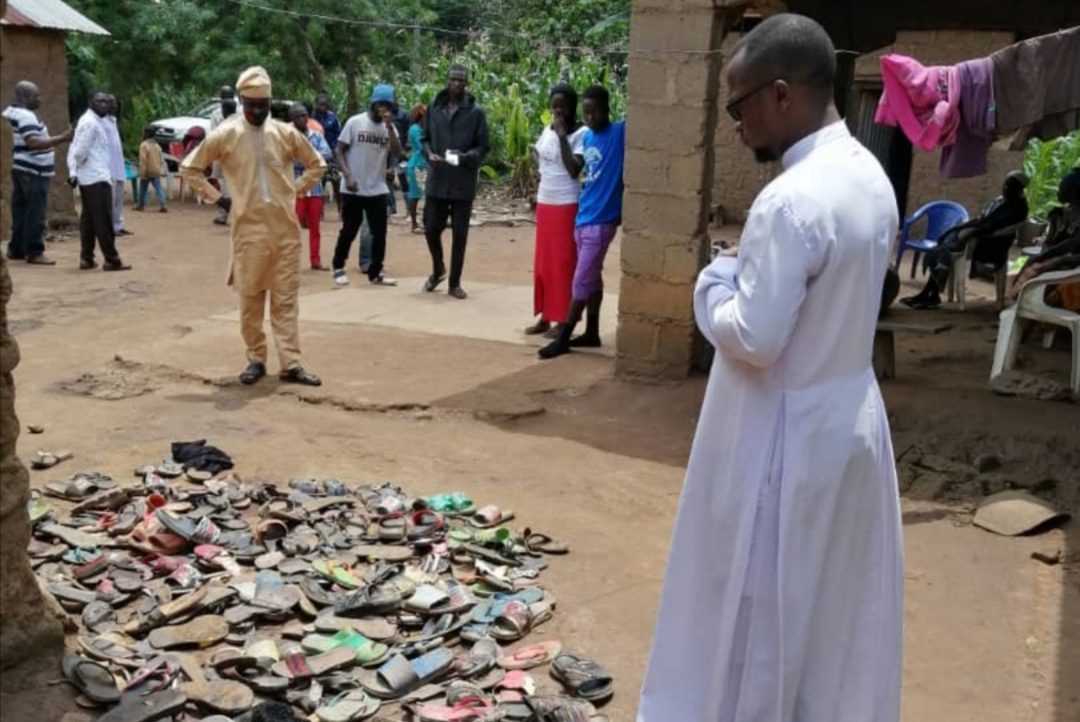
x=340, y=278
x=41, y=260
x=382, y=280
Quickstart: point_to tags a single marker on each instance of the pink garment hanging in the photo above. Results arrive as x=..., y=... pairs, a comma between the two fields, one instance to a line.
x=923, y=101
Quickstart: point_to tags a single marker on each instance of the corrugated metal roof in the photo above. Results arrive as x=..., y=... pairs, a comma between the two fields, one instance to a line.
x=51, y=14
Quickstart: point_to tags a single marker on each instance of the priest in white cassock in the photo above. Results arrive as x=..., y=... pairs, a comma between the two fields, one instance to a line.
x=783, y=599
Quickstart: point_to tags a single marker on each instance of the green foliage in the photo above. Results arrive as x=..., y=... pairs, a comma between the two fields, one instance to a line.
x=164, y=57
x=1045, y=163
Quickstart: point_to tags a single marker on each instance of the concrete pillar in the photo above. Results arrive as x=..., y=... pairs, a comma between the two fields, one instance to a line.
x=25, y=627
x=671, y=118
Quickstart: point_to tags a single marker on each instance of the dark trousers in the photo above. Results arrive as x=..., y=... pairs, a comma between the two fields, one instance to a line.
x=354, y=209
x=29, y=197
x=437, y=211
x=96, y=222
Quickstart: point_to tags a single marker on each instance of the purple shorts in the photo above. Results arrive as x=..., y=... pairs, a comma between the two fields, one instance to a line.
x=592, y=245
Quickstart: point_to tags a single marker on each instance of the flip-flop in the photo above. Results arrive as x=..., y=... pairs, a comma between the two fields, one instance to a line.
x=376, y=628
x=203, y=531
x=466, y=709
x=537, y=543
x=336, y=572
x=582, y=677
x=224, y=696
x=383, y=552
x=47, y=460
x=294, y=665
x=489, y=516
x=91, y=678
x=314, y=506
x=367, y=651
x=530, y=656
x=398, y=676
x=146, y=709
x=201, y=631
x=73, y=537
x=350, y=705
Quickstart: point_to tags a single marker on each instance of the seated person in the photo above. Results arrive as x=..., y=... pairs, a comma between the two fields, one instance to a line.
x=1006, y=210
x=1061, y=244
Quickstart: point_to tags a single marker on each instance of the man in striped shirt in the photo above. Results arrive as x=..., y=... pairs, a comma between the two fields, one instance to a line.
x=31, y=170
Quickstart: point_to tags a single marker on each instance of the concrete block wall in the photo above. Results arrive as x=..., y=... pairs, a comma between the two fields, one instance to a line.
x=738, y=178
x=671, y=117
x=39, y=56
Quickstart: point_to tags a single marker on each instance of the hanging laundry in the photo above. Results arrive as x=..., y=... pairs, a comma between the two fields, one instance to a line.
x=1037, y=85
x=923, y=101
x=978, y=120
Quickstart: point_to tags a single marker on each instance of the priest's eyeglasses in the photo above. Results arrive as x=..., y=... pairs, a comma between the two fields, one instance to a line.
x=733, y=108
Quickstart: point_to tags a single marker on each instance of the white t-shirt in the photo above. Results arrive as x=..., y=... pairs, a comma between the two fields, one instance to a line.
x=368, y=143
x=557, y=187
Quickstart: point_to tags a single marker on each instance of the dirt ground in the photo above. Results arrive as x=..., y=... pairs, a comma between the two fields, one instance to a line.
x=116, y=366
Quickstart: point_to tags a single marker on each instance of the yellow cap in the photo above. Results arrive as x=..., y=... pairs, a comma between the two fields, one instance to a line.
x=253, y=83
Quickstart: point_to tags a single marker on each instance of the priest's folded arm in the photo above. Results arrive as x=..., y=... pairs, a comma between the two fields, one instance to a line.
x=748, y=309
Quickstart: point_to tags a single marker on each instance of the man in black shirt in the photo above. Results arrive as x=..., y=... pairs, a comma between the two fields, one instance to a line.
x=1006, y=210
x=455, y=141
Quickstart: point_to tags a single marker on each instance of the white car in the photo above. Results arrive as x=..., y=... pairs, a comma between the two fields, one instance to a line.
x=171, y=130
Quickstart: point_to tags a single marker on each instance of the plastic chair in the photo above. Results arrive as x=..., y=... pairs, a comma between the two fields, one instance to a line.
x=1032, y=305
x=961, y=269
x=940, y=217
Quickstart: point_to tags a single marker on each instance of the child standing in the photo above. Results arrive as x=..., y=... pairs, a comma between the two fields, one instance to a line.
x=151, y=164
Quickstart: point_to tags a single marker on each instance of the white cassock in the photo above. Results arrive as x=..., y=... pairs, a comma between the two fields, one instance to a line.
x=783, y=600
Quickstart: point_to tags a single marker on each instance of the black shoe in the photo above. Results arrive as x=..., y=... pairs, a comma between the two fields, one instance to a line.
x=585, y=340
x=254, y=371
x=297, y=375
x=116, y=266
x=433, y=281
x=556, y=348
x=13, y=257
x=86, y=265
x=124, y=232
x=458, y=293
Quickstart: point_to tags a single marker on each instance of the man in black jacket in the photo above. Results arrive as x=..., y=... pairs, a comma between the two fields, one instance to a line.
x=455, y=141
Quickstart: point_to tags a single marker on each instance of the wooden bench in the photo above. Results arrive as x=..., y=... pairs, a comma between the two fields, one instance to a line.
x=884, y=360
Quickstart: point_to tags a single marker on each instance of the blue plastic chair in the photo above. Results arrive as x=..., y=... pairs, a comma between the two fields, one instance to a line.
x=940, y=217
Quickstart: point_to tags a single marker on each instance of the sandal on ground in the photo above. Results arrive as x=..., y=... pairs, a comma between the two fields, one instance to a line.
x=530, y=656
x=353, y=704
x=582, y=677
x=91, y=678
x=47, y=460
x=157, y=706
x=490, y=516
x=399, y=676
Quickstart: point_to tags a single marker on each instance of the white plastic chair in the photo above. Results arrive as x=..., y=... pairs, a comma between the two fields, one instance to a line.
x=961, y=268
x=1032, y=305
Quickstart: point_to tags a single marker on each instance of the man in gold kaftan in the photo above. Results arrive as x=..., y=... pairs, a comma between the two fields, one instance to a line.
x=256, y=156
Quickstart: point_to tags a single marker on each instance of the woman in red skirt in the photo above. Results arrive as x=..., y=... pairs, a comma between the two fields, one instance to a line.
x=559, y=154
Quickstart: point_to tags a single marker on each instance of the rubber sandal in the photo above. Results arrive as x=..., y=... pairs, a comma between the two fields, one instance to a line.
x=368, y=601
x=537, y=543
x=376, y=552
x=225, y=696
x=294, y=665
x=367, y=651
x=398, y=676
x=489, y=516
x=272, y=594
x=472, y=708
x=582, y=677
x=150, y=708
x=91, y=678
x=78, y=489
x=203, y=531
x=336, y=572
x=47, y=460
x=201, y=631
x=353, y=704
x=562, y=709
x=530, y=656
x=376, y=628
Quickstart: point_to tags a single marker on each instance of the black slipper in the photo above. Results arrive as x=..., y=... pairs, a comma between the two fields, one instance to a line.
x=254, y=371
x=297, y=375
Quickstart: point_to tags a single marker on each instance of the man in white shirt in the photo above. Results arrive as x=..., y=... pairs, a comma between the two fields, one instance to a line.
x=783, y=599
x=116, y=168
x=361, y=153
x=89, y=167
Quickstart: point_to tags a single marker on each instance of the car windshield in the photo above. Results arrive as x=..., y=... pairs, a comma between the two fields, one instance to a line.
x=205, y=110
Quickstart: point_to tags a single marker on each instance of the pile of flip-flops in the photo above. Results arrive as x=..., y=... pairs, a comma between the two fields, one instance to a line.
x=220, y=599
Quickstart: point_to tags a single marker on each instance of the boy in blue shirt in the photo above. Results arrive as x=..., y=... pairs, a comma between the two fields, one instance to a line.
x=598, y=218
